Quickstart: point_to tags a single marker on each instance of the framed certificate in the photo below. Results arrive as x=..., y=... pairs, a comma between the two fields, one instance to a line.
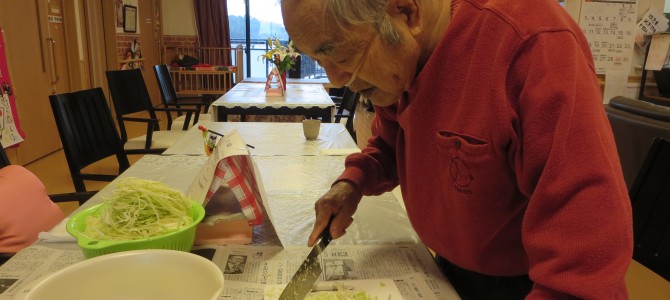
x=129, y=18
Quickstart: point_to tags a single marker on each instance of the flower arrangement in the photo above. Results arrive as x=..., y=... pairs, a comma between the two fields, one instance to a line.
x=281, y=56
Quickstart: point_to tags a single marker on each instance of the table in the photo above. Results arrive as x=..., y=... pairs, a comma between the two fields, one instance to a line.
x=292, y=185
x=248, y=98
x=268, y=138
x=644, y=284
x=322, y=81
x=292, y=182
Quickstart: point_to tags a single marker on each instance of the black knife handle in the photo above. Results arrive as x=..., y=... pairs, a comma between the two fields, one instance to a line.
x=325, y=235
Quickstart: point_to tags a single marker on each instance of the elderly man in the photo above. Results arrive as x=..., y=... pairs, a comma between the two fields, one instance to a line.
x=489, y=116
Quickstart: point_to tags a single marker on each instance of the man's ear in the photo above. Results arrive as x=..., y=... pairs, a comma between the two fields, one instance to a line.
x=409, y=11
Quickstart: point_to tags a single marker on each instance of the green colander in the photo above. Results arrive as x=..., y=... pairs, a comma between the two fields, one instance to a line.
x=181, y=239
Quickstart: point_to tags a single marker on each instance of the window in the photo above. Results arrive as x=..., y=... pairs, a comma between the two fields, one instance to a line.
x=264, y=20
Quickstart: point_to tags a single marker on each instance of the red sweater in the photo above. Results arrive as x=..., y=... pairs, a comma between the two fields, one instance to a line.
x=505, y=157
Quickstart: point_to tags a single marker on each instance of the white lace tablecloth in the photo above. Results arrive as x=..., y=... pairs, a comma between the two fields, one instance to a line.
x=246, y=94
x=269, y=139
x=297, y=174
x=293, y=184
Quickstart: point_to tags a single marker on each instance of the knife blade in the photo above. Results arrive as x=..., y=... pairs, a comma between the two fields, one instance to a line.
x=308, y=272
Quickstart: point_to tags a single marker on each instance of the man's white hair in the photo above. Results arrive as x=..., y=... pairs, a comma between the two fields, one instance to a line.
x=360, y=12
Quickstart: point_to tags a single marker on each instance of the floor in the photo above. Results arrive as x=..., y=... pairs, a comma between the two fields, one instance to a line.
x=53, y=171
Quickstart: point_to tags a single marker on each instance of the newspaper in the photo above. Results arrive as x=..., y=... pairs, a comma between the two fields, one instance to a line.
x=249, y=269
x=32, y=264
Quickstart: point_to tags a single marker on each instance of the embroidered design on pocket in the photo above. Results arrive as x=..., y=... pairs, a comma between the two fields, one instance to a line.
x=461, y=174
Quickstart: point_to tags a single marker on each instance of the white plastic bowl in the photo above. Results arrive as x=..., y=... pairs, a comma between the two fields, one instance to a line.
x=134, y=275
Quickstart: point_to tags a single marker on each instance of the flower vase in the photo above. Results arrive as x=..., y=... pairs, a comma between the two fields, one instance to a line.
x=283, y=79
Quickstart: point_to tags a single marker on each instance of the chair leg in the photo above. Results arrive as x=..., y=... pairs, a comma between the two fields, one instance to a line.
x=79, y=185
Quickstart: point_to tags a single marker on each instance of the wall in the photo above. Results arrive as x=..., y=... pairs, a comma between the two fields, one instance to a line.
x=179, y=28
x=178, y=17
x=125, y=39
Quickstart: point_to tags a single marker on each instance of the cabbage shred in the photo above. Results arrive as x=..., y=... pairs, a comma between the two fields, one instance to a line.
x=339, y=295
x=139, y=209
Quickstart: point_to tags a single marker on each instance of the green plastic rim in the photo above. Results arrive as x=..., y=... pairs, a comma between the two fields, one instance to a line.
x=181, y=239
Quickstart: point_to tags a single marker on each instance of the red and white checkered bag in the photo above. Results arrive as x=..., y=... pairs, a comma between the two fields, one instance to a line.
x=237, y=172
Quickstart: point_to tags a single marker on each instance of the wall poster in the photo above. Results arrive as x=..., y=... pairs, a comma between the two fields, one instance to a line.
x=609, y=26
x=120, y=20
x=10, y=131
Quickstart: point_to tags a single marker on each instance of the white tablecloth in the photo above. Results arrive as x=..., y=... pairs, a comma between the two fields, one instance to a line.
x=268, y=138
x=293, y=184
x=246, y=94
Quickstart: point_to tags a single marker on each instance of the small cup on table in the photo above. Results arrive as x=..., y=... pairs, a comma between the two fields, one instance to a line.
x=311, y=128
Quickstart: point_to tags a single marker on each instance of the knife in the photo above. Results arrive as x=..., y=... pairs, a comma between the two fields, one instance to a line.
x=310, y=269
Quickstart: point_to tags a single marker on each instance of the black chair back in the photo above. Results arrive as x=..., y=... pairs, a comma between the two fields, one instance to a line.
x=169, y=93
x=4, y=160
x=129, y=95
x=167, y=89
x=650, y=198
x=347, y=109
x=88, y=134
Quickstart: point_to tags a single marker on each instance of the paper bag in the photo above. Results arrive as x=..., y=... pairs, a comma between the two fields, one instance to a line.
x=230, y=173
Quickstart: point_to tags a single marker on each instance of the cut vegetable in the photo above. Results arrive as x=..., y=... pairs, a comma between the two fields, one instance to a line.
x=139, y=209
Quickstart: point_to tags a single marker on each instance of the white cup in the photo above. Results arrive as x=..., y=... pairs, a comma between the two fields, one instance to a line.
x=311, y=128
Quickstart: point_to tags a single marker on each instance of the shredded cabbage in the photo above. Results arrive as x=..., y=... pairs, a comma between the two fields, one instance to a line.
x=139, y=209
x=340, y=292
x=339, y=295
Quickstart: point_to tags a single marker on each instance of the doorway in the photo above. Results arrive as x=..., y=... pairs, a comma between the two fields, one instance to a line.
x=150, y=35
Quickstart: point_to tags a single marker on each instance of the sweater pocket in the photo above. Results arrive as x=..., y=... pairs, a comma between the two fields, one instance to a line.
x=465, y=161
x=456, y=142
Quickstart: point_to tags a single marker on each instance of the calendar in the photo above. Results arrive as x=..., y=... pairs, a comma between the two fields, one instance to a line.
x=609, y=26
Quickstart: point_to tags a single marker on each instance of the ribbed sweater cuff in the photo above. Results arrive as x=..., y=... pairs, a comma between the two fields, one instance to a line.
x=354, y=175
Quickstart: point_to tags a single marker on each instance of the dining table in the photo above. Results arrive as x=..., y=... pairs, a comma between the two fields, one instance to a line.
x=269, y=138
x=293, y=173
x=250, y=98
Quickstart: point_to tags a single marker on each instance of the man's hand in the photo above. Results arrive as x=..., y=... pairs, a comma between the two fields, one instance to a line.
x=341, y=202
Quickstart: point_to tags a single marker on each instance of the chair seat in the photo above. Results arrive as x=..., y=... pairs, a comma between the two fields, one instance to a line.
x=160, y=140
x=178, y=123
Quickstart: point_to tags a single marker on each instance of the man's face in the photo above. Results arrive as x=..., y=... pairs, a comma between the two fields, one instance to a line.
x=353, y=55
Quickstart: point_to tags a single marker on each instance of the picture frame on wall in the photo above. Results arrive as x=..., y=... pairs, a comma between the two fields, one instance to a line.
x=129, y=18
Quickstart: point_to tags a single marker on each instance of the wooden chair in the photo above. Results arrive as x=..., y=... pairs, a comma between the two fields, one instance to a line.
x=170, y=98
x=336, y=95
x=130, y=96
x=87, y=131
x=347, y=109
x=650, y=198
